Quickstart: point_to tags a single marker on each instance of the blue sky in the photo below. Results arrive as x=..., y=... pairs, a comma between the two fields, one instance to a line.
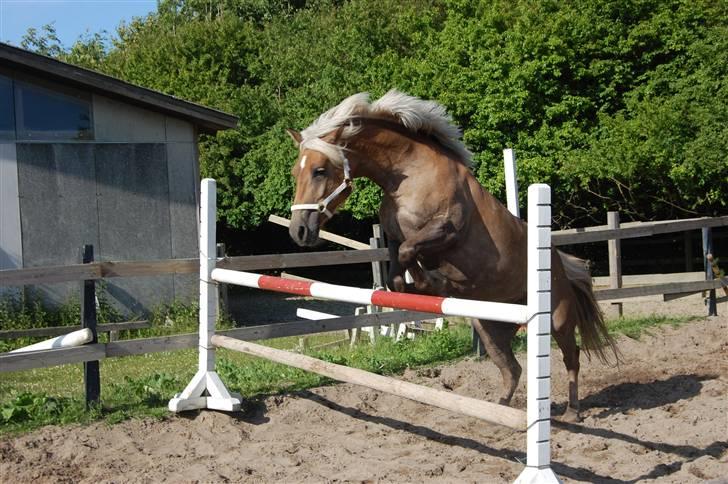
x=72, y=18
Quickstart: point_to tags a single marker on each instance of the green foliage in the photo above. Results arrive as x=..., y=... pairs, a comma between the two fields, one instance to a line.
x=152, y=390
x=258, y=376
x=618, y=104
x=26, y=310
x=28, y=410
x=45, y=43
x=26, y=406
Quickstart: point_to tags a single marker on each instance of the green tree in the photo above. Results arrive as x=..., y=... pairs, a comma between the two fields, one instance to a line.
x=45, y=42
x=618, y=104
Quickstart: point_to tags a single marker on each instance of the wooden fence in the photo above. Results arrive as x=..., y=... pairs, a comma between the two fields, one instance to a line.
x=101, y=270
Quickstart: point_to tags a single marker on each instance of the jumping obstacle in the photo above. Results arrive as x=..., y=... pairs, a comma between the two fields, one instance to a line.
x=206, y=390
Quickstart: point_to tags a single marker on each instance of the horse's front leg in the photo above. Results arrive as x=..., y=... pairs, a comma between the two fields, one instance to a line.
x=433, y=238
x=395, y=274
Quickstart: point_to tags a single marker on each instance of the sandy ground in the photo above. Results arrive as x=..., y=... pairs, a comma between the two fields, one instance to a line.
x=661, y=416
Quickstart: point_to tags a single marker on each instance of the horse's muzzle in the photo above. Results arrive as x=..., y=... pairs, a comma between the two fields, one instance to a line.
x=304, y=228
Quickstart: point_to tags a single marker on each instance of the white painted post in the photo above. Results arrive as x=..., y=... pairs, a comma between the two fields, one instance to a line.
x=206, y=390
x=538, y=404
x=509, y=164
x=208, y=289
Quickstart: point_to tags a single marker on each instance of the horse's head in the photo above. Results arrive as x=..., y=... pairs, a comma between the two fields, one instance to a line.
x=323, y=182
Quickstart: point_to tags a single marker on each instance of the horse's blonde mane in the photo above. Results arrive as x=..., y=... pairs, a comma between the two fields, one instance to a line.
x=417, y=115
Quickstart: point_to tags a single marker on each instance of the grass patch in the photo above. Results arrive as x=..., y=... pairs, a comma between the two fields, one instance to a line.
x=141, y=386
x=635, y=327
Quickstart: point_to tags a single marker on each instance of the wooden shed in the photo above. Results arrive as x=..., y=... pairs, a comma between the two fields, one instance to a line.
x=88, y=159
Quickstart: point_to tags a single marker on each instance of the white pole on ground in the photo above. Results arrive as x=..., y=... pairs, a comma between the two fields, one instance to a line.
x=206, y=390
x=509, y=164
x=538, y=367
x=74, y=338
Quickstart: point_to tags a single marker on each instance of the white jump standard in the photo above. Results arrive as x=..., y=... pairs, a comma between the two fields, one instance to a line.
x=207, y=391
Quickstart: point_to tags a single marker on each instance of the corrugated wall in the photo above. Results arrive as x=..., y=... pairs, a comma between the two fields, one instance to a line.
x=131, y=193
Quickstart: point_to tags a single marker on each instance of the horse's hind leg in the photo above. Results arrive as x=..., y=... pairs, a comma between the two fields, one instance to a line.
x=566, y=340
x=497, y=337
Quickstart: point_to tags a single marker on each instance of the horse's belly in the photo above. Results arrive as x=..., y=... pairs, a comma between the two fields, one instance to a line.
x=475, y=279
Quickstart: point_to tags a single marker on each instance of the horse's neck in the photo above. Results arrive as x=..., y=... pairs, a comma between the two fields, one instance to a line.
x=388, y=154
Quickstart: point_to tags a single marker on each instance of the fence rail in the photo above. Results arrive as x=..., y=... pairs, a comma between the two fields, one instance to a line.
x=90, y=352
x=634, y=229
x=60, y=330
x=102, y=270
x=657, y=289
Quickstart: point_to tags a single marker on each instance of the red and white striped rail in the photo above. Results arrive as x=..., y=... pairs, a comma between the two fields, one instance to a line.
x=206, y=390
x=449, y=306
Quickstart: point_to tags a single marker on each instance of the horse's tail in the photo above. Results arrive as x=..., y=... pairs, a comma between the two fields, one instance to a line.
x=595, y=336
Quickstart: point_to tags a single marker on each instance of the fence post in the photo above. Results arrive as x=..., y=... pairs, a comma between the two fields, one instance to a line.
x=91, y=374
x=378, y=275
x=708, y=250
x=615, y=259
x=223, y=288
x=378, y=270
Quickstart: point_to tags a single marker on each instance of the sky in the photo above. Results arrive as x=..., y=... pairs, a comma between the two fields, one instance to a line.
x=72, y=18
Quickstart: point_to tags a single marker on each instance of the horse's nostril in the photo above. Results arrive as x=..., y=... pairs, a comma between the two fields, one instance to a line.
x=301, y=232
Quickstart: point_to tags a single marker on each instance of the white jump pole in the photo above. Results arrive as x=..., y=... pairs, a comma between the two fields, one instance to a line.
x=70, y=340
x=537, y=313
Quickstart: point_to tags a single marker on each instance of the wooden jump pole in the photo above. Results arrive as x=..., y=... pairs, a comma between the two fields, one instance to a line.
x=207, y=391
x=490, y=412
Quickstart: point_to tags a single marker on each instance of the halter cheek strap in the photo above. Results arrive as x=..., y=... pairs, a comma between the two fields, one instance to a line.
x=323, y=205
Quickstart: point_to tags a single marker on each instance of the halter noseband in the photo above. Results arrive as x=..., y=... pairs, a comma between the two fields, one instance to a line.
x=323, y=205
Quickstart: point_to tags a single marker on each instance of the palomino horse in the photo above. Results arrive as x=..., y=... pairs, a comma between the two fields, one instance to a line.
x=453, y=237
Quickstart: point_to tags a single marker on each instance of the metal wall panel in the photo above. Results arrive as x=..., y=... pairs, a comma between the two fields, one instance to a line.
x=183, y=186
x=134, y=218
x=179, y=131
x=57, y=193
x=120, y=122
x=11, y=242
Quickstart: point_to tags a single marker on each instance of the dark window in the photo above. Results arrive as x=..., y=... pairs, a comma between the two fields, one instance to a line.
x=44, y=113
x=7, y=118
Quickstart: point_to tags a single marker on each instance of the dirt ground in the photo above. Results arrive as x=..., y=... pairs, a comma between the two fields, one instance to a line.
x=660, y=416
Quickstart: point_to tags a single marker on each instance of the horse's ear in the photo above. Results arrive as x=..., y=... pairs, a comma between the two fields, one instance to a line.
x=295, y=136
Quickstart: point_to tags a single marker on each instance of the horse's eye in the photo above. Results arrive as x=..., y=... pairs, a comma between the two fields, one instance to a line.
x=319, y=172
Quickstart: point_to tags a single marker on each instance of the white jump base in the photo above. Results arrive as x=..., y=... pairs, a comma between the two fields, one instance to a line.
x=206, y=390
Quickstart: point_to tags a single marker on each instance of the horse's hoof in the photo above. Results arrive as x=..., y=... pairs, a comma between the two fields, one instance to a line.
x=571, y=416
x=399, y=284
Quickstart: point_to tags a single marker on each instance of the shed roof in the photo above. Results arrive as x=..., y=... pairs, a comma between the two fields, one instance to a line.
x=208, y=120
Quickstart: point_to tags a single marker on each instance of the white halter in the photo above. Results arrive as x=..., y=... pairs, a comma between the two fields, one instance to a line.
x=323, y=205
